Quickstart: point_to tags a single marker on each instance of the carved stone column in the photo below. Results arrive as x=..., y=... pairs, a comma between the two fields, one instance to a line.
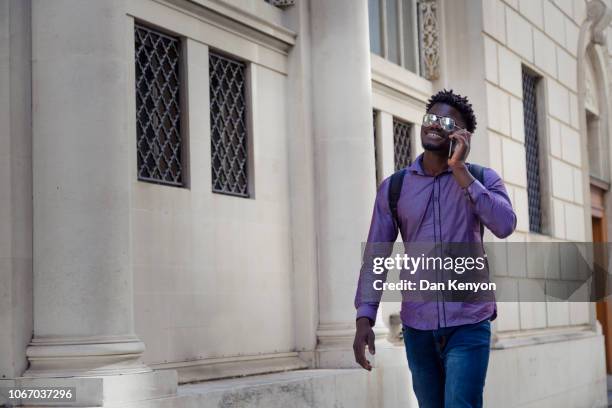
x=344, y=162
x=83, y=317
x=83, y=299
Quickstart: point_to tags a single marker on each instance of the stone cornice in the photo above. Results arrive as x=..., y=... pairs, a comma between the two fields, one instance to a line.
x=229, y=17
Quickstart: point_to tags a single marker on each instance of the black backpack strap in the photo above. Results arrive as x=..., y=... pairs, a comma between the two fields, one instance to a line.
x=395, y=190
x=477, y=172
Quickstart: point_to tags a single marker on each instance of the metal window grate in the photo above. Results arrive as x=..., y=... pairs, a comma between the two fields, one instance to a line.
x=158, y=135
x=228, y=125
x=530, y=115
x=401, y=143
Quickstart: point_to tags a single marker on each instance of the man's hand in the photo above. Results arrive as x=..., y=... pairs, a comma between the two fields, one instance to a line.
x=363, y=336
x=461, y=140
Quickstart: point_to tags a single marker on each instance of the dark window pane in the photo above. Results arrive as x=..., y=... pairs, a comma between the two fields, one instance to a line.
x=158, y=136
x=228, y=126
x=597, y=161
x=409, y=35
x=532, y=150
x=392, y=32
x=374, y=19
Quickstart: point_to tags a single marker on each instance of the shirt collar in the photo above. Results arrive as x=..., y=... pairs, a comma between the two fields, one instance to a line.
x=417, y=167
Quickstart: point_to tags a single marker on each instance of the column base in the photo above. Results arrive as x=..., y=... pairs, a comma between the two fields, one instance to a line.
x=82, y=357
x=105, y=391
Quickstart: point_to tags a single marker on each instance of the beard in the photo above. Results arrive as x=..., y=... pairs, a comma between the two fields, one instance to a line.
x=432, y=147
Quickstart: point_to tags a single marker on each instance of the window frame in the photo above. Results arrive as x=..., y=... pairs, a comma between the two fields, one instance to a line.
x=544, y=162
x=409, y=137
x=596, y=147
x=248, y=124
x=384, y=39
x=181, y=101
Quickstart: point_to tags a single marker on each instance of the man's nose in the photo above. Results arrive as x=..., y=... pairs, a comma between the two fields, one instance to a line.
x=435, y=125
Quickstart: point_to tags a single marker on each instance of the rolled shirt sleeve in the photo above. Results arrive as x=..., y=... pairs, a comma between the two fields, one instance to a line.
x=492, y=204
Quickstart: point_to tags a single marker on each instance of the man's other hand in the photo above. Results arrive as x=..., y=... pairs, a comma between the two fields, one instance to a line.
x=363, y=336
x=461, y=139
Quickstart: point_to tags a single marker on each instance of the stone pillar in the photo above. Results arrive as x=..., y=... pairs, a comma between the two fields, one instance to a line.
x=83, y=297
x=82, y=285
x=83, y=306
x=344, y=162
x=16, y=187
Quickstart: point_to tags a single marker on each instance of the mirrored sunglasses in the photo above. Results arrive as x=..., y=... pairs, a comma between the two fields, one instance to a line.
x=447, y=124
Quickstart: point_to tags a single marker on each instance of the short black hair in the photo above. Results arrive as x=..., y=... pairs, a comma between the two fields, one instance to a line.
x=458, y=102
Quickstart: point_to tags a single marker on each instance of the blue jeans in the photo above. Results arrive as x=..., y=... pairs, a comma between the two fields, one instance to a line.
x=449, y=365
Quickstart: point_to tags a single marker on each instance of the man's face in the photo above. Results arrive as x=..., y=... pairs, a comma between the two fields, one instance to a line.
x=434, y=137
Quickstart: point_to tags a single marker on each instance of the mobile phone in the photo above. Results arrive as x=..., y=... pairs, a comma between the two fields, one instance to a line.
x=450, y=149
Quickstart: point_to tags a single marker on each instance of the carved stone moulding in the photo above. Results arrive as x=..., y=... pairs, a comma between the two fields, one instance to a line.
x=429, y=39
x=281, y=3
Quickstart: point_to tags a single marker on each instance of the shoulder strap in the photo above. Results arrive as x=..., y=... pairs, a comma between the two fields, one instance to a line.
x=477, y=172
x=395, y=189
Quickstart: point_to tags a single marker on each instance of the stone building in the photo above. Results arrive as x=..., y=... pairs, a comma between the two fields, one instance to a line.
x=185, y=185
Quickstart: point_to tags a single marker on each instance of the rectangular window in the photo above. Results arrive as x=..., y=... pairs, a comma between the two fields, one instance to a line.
x=410, y=42
x=394, y=32
x=532, y=150
x=392, y=28
x=375, y=26
x=228, y=125
x=158, y=112
x=597, y=147
x=401, y=143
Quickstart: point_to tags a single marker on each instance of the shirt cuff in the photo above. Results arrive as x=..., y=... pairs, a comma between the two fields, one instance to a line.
x=367, y=310
x=474, y=190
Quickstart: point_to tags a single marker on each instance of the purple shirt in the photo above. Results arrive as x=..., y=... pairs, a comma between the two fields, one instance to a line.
x=437, y=209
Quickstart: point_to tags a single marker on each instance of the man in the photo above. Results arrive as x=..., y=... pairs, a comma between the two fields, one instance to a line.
x=447, y=343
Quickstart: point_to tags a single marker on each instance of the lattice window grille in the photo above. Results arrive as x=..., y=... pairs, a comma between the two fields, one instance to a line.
x=158, y=113
x=228, y=121
x=401, y=143
x=530, y=115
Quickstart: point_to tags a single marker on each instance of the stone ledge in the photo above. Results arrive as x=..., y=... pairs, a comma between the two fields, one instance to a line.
x=106, y=391
x=535, y=337
x=217, y=369
x=295, y=389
